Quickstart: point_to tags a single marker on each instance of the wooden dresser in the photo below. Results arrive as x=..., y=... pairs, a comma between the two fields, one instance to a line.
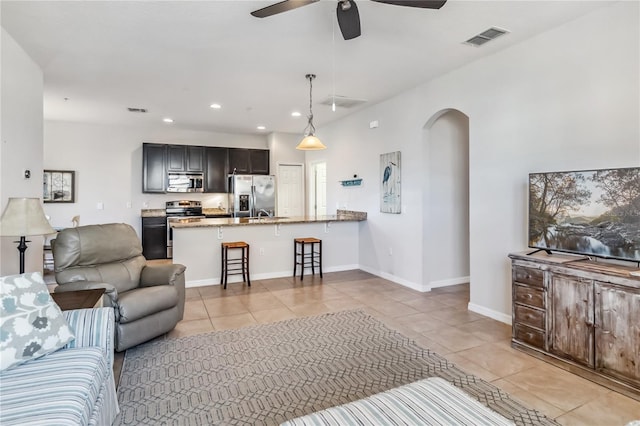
x=581, y=315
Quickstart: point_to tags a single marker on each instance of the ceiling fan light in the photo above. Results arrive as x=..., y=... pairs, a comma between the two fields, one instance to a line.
x=310, y=143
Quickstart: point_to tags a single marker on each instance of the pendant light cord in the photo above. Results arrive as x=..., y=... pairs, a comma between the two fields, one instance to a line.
x=310, y=125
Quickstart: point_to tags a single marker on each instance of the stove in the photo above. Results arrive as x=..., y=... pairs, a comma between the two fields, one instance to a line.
x=180, y=211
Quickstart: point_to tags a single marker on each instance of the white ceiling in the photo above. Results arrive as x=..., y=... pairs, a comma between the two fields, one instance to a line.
x=175, y=58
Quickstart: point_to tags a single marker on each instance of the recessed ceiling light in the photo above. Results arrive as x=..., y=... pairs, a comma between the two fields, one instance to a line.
x=215, y=106
x=168, y=120
x=261, y=128
x=295, y=114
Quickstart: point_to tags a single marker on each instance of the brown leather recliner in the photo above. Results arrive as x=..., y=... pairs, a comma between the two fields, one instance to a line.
x=148, y=300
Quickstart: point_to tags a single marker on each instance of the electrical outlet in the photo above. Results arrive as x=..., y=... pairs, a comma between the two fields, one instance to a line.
x=390, y=251
x=128, y=204
x=99, y=205
x=261, y=251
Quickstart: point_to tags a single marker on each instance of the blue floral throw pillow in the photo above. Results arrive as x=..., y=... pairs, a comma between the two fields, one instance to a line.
x=32, y=325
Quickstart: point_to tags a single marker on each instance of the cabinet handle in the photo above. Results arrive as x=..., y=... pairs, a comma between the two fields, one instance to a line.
x=529, y=296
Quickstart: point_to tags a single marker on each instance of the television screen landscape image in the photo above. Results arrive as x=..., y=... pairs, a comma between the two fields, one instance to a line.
x=592, y=212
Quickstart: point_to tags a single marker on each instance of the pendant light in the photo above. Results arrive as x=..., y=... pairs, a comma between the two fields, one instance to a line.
x=310, y=141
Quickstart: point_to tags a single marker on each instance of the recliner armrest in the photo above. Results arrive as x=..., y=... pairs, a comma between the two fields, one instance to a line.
x=93, y=327
x=153, y=275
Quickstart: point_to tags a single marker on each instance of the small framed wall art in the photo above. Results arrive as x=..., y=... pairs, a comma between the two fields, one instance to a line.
x=58, y=186
x=390, y=182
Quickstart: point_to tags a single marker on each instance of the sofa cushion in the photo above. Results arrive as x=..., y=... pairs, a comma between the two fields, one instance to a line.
x=142, y=302
x=59, y=389
x=32, y=325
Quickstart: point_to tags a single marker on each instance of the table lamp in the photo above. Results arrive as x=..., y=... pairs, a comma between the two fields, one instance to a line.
x=24, y=217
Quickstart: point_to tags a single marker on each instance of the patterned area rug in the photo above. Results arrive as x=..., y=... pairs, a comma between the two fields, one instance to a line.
x=266, y=374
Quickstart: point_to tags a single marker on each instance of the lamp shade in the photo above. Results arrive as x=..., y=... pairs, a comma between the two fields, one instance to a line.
x=310, y=143
x=23, y=217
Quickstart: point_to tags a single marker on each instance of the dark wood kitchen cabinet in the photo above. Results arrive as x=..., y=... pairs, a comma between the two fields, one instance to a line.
x=239, y=161
x=185, y=158
x=154, y=237
x=154, y=174
x=216, y=170
x=259, y=161
x=249, y=161
x=579, y=315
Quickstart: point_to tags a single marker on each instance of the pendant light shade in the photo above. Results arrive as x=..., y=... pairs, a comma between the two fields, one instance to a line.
x=310, y=141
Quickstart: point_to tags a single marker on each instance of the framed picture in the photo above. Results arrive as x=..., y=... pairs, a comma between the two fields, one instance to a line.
x=390, y=182
x=58, y=186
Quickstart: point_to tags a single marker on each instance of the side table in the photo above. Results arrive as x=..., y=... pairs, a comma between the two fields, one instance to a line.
x=78, y=299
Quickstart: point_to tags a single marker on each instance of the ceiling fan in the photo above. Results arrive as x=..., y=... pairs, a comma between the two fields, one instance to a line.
x=347, y=11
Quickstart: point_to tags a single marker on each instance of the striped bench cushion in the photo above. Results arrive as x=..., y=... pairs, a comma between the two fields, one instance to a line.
x=59, y=389
x=431, y=401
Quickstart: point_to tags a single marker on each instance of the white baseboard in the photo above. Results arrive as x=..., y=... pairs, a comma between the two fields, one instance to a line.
x=413, y=286
x=264, y=276
x=449, y=282
x=498, y=316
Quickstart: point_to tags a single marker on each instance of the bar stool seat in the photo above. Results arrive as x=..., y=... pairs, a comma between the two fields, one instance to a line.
x=235, y=266
x=307, y=259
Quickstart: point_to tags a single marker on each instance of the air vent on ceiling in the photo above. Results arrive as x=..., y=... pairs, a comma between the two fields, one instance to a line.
x=343, y=101
x=141, y=110
x=485, y=36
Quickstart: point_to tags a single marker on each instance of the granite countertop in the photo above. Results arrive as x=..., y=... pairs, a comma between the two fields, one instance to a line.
x=152, y=213
x=341, y=216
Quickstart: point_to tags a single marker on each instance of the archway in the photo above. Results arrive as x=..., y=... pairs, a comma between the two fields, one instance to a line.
x=445, y=201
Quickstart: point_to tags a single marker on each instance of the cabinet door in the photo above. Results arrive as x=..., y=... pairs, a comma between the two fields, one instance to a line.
x=195, y=158
x=572, y=318
x=176, y=158
x=154, y=175
x=216, y=170
x=617, y=335
x=239, y=161
x=154, y=237
x=259, y=161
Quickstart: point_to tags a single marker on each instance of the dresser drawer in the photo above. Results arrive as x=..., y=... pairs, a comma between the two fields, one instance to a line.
x=529, y=276
x=529, y=296
x=529, y=335
x=529, y=316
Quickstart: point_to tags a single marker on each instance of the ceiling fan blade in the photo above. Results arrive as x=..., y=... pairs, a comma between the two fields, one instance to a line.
x=280, y=7
x=348, y=19
x=425, y=4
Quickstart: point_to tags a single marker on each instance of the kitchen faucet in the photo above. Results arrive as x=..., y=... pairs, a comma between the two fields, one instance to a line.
x=265, y=212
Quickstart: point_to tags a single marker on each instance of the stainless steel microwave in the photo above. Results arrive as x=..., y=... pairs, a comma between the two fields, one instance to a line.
x=186, y=182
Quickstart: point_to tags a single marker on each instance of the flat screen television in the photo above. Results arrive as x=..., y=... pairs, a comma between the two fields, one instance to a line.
x=588, y=212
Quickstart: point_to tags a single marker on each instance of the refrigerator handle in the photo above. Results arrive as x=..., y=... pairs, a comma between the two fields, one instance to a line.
x=252, y=209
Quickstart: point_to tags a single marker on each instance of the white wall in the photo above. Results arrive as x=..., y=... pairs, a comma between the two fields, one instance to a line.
x=566, y=99
x=108, y=165
x=21, y=145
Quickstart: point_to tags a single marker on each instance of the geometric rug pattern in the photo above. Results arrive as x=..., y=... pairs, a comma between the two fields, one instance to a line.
x=266, y=374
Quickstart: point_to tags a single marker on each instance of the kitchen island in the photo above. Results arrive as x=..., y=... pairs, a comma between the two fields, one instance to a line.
x=196, y=244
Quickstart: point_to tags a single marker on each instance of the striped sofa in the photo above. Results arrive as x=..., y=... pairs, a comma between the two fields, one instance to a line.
x=71, y=386
x=432, y=401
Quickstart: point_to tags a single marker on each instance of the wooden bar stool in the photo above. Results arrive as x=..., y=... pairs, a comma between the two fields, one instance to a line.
x=235, y=266
x=307, y=259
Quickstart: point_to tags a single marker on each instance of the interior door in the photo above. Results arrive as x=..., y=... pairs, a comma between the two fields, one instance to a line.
x=290, y=190
x=321, y=188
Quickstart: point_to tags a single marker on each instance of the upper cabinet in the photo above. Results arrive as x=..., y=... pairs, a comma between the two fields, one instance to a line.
x=259, y=160
x=215, y=162
x=216, y=171
x=185, y=158
x=154, y=174
x=248, y=161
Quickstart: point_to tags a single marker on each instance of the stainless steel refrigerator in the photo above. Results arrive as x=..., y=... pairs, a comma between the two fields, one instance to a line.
x=252, y=195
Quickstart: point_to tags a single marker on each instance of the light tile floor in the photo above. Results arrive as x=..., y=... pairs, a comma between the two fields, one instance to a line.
x=438, y=320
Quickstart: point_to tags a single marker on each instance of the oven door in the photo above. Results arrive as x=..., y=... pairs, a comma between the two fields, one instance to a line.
x=174, y=219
